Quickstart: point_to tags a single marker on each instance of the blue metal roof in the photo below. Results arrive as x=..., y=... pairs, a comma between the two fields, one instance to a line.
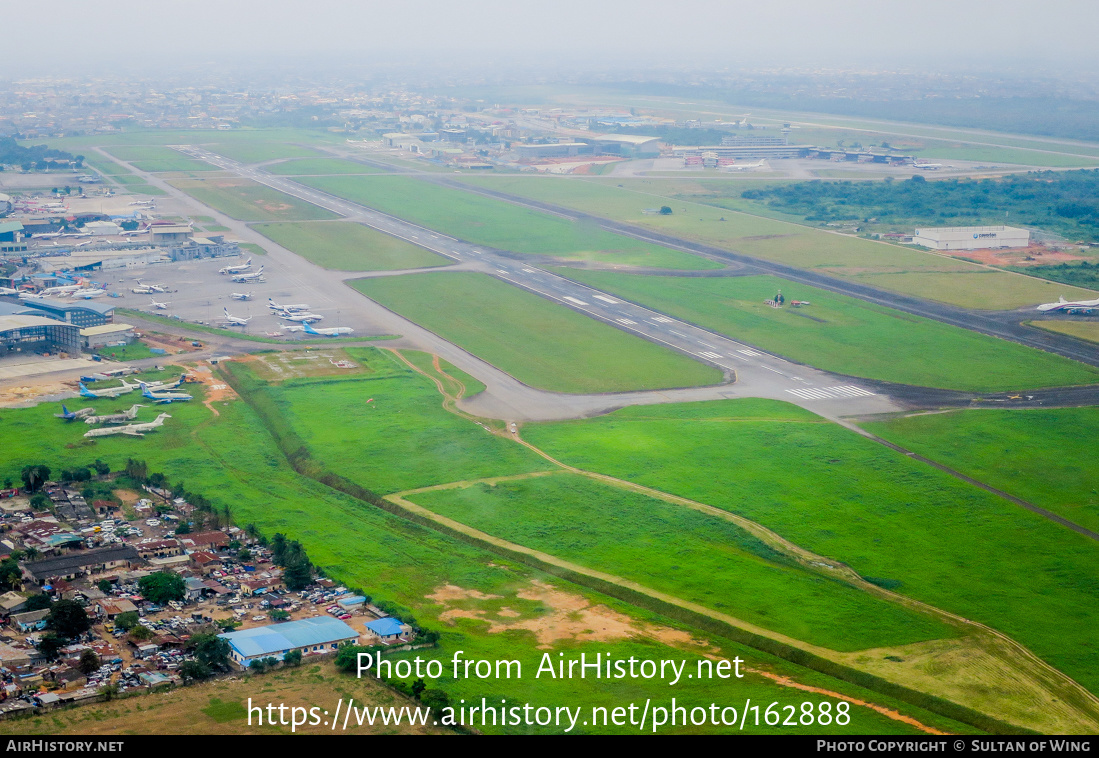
x=60, y=306
x=277, y=638
x=386, y=627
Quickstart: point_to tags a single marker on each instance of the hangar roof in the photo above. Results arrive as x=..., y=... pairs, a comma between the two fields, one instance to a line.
x=275, y=638
x=7, y=323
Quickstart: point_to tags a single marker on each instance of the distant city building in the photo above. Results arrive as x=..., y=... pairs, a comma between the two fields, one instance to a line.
x=972, y=237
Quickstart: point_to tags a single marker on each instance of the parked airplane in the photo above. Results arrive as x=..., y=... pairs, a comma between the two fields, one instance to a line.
x=159, y=306
x=87, y=293
x=1064, y=305
x=331, y=331
x=292, y=328
x=73, y=415
x=115, y=418
x=927, y=166
x=745, y=166
x=236, y=269
x=61, y=291
x=153, y=287
x=241, y=295
x=301, y=317
x=236, y=320
x=287, y=308
x=109, y=392
x=133, y=430
x=164, y=397
x=162, y=386
x=142, y=290
x=256, y=276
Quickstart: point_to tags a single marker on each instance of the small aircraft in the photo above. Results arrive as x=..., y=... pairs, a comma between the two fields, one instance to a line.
x=302, y=317
x=236, y=320
x=159, y=306
x=154, y=287
x=256, y=276
x=115, y=418
x=1064, y=305
x=73, y=415
x=287, y=308
x=142, y=290
x=160, y=396
x=133, y=430
x=331, y=331
x=236, y=269
x=109, y=392
x=241, y=295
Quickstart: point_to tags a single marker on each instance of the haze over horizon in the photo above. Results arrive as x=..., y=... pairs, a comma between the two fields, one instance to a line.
x=127, y=36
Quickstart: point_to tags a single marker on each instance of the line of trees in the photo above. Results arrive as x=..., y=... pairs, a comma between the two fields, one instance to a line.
x=38, y=157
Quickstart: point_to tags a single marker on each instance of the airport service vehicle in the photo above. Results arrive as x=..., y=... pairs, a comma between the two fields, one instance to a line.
x=115, y=418
x=158, y=396
x=235, y=320
x=236, y=269
x=132, y=430
x=1066, y=305
x=109, y=392
x=331, y=331
x=73, y=415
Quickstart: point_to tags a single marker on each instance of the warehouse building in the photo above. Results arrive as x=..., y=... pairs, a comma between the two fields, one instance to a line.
x=95, y=337
x=312, y=636
x=37, y=334
x=972, y=237
x=80, y=313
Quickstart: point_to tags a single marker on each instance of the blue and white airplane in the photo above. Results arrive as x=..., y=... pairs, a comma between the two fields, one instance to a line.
x=73, y=415
x=164, y=397
x=331, y=331
x=109, y=392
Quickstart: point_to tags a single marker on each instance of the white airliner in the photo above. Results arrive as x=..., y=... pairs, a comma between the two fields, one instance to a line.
x=302, y=317
x=115, y=418
x=255, y=276
x=1064, y=305
x=927, y=166
x=293, y=328
x=153, y=287
x=331, y=331
x=164, y=386
x=288, y=308
x=745, y=166
x=133, y=430
x=88, y=293
x=109, y=392
x=241, y=295
x=159, y=306
x=142, y=290
x=157, y=396
x=236, y=269
x=61, y=291
x=235, y=320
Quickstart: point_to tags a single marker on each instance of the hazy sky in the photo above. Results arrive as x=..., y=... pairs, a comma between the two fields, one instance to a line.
x=75, y=34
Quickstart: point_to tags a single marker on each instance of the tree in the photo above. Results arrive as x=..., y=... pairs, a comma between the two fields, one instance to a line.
x=436, y=700
x=258, y=666
x=127, y=621
x=39, y=602
x=101, y=468
x=293, y=658
x=298, y=575
x=40, y=502
x=162, y=587
x=140, y=632
x=184, y=528
x=418, y=687
x=195, y=671
x=11, y=576
x=278, y=615
x=211, y=650
x=50, y=646
x=129, y=225
x=34, y=476
x=157, y=479
x=68, y=618
x=103, y=585
x=136, y=470
x=665, y=210
x=89, y=662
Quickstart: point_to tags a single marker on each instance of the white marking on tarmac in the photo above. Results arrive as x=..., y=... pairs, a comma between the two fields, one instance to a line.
x=574, y=300
x=606, y=299
x=625, y=321
x=752, y=353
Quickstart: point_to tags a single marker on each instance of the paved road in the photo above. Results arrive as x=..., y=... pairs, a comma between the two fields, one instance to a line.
x=757, y=373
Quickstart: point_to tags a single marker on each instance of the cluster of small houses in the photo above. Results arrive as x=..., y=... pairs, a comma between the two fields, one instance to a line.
x=77, y=545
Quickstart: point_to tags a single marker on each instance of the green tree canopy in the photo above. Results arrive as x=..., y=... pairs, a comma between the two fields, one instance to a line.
x=162, y=587
x=68, y=619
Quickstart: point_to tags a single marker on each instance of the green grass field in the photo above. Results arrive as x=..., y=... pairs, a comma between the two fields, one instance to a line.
x=691, y=555
x=154, y=158
x=257, y=151
x=484, y=221
x=134, y=351
x=1085, y=330
x=320, y=166
x=349, y=247
x=538, y=342
x=909, y=526
x=1043, y=456
x=403, y=439
x=245, y=200
x=890, y=267
x=844, y=335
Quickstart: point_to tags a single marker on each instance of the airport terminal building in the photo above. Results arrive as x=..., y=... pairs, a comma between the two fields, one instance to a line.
x=972, y=237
